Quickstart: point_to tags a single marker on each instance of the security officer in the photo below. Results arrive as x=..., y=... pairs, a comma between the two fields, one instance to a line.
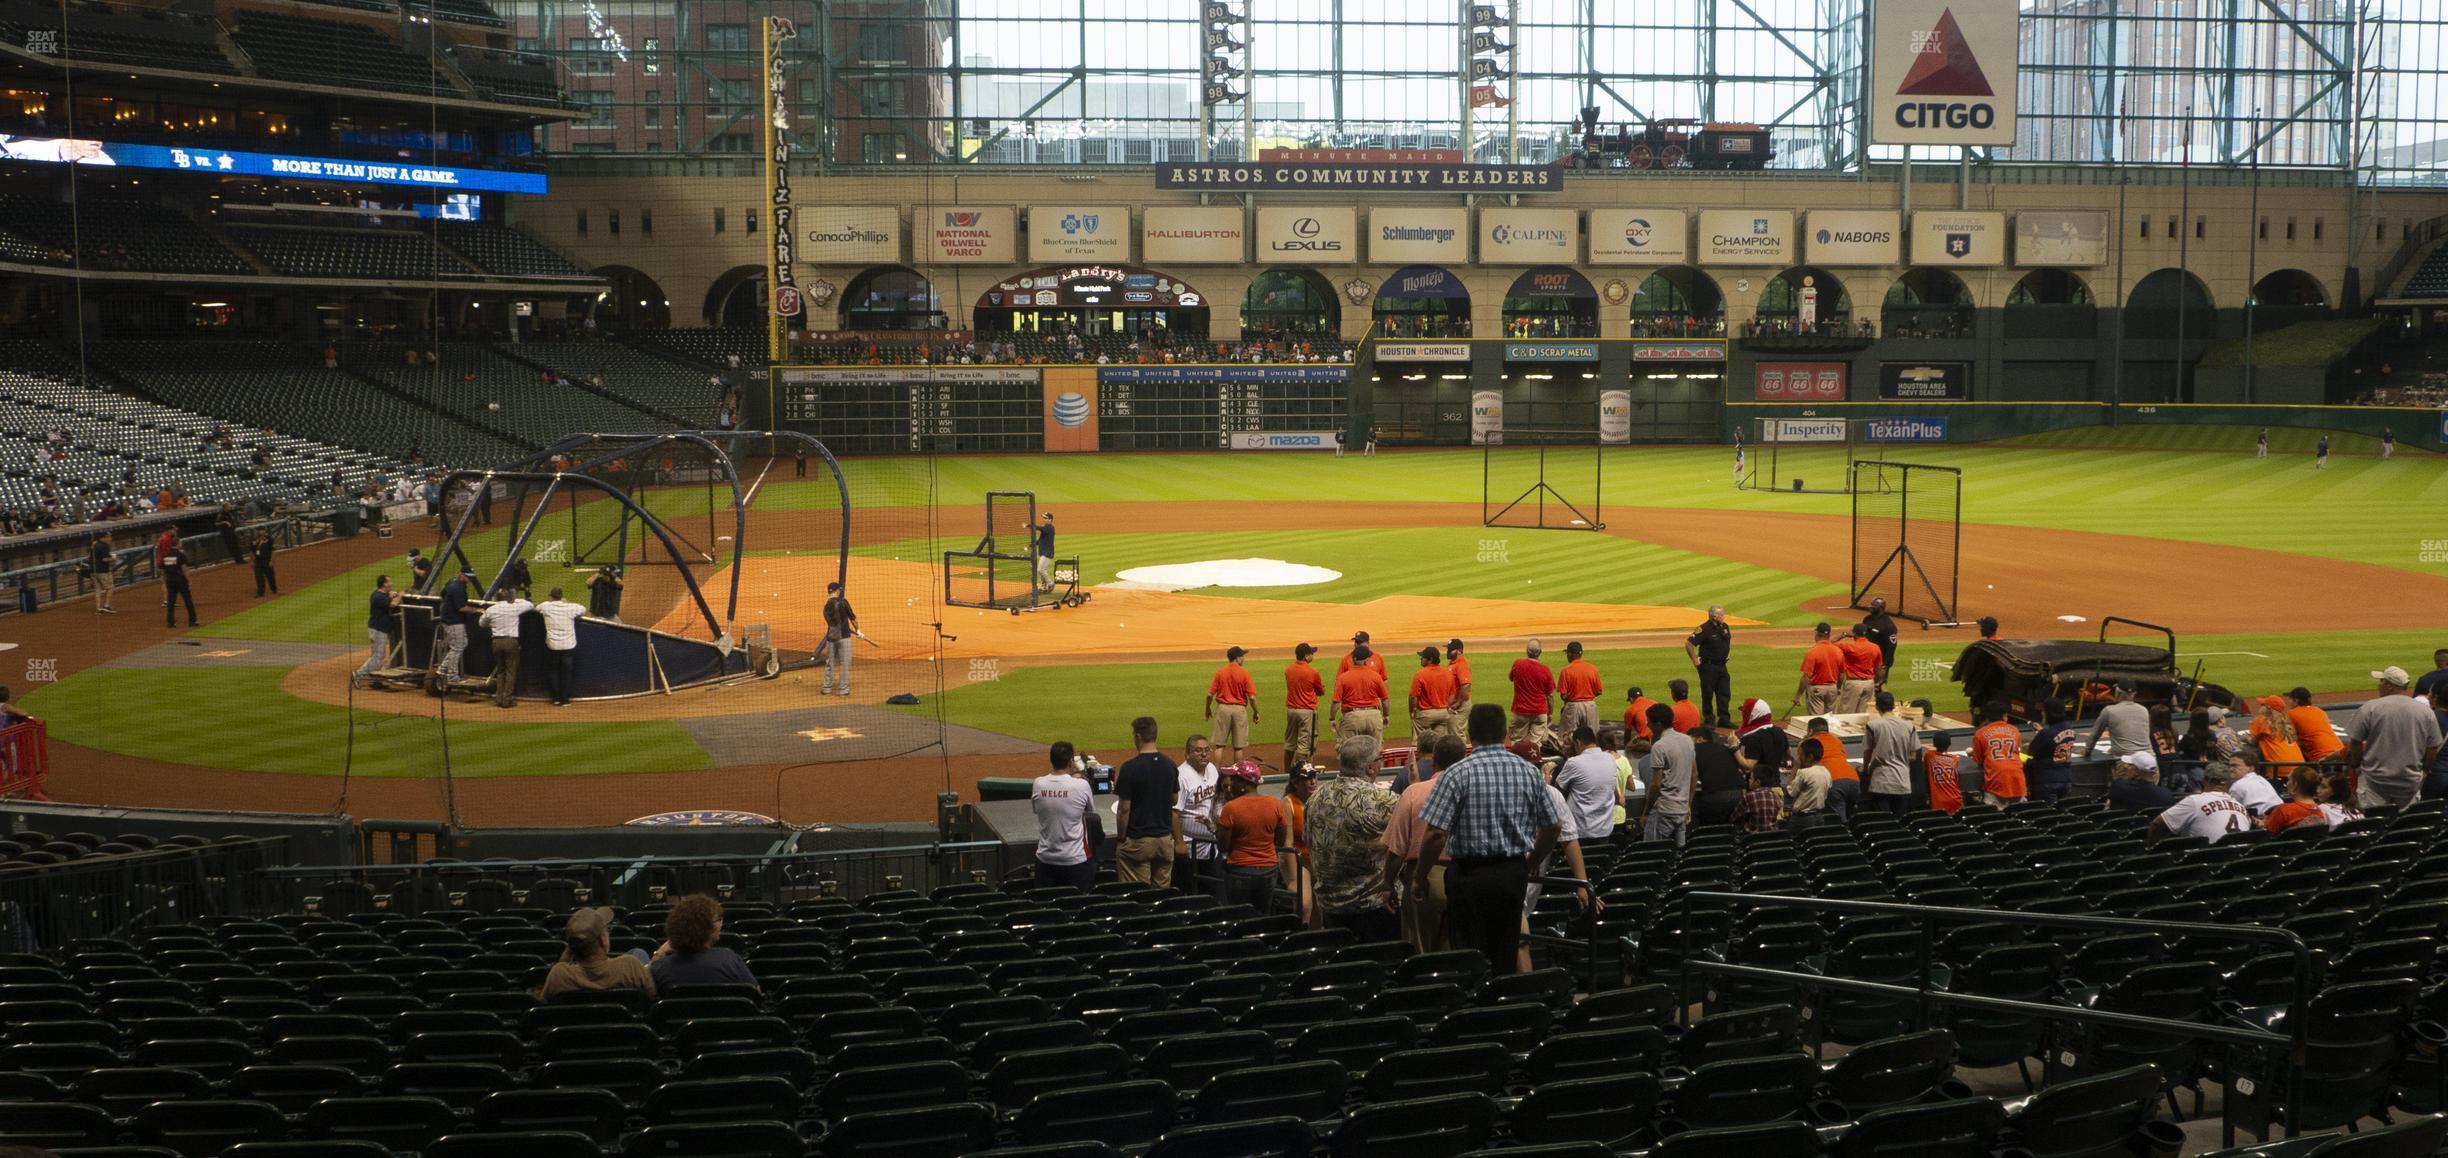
x=1707, y=647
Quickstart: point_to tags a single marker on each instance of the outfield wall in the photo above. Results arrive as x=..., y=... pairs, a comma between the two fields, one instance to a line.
x=1924, y=423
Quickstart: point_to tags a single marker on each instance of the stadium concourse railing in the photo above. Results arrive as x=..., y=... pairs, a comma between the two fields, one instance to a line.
x=1928, y=996
x=554, y=883
x=53, y=566
x=47, y=907
x=25, y=760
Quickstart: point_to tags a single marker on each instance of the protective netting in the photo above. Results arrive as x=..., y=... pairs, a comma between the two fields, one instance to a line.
x=1907, y=535
x=1548, y=484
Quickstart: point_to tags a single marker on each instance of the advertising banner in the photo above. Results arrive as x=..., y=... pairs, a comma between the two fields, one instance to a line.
x=875, y=375
x=1904, y=430
x=2061, y=237
x=1614, y=417
x=1529, y=236
x=1639, y=237
x=1678, y=349
x=1183, y=235
x=1309, y=236
x=850, y=233
x=1746, y=237
x=1280, y=440
x=1079, y=233
x=1551, y=351
x=1803, y=430
x=1221, y=373
x=964, y=235
x=1070, y=409
x=1959, y=237
x=1423, y=351
x=1942, y=72
x=1487, y=418
x=81, y=151
x=1854, y=237
x=1241, y=177
x=1399, y=236
x=1940, y=381
x=1799, y=382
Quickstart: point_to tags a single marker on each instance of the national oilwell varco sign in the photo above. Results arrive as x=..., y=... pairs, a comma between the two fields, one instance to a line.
x=1943, y=72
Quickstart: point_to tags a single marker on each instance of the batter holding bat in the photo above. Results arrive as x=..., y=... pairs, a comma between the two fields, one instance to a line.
x=841, y=623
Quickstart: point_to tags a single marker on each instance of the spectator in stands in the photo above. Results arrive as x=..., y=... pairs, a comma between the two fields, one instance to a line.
x=2313, y=731
x=1682, y=714
x=2302, y=809
x=2247, y=785
x=1145, y=789
x=1422, y=881
x=1492, y=809
x=2053, y=750
x=1200, y=867
x=2124, y=723
x=1590, y=786
x=2337, y=798
x=1672, y=775
x=2207, y=740
x=1844, y=788
x=501, y=622
x=1942, y=774
x=2275, y=733
x=2133, y=785
x=1067, y=828
x=331, y=356
x=265, y=580
x=172, y=563
x=1345, y=822
x=1889, y=746
x=2432, y=680
x=1997, y=746
x=1717, y=777
x=2211, y=813
x=1255, y=832
x=1760, y=806
x=689, y=955
x=560, y=618
x=2396, y=739
x=1806, y=791
x=588, y=963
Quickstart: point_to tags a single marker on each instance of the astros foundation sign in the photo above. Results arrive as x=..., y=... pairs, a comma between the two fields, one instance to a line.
x=1943, y=72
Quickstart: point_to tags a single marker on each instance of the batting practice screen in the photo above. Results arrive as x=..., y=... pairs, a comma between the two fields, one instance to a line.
x=1907, y=537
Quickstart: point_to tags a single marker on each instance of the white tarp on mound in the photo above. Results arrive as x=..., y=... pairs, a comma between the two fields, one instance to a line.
x=1224, y=573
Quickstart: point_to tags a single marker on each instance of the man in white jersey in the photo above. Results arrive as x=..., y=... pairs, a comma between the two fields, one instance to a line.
x=1199, y=860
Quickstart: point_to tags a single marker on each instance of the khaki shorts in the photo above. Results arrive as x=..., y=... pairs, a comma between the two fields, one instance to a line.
x=1360, y=722
x=1531, y=728
x=1231, y=726
x=1820, y=699
x=1427, y=724
x=1300, y=734
x=1577, y=714
x=1145, y=858
x=1854, y=696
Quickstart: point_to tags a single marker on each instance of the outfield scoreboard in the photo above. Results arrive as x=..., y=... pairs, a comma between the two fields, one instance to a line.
x=913, y=409
x=987, y=409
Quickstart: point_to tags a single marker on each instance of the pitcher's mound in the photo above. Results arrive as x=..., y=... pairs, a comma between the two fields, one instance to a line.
x=1223, y=573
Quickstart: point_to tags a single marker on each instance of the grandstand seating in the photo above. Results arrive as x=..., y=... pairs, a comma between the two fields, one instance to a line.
x=260, y=382
x=461, y=11
x=375, y=254
x=469, y=376
x=499, y=249
x=508, y=76
x=300, y=48
x=153, y=37
x=710, y=347
x=113, y=233
x=653, y=382
x=2430, y=279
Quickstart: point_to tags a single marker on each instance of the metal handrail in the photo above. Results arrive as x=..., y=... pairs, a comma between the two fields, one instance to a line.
x=1928, y=916
x=478, y=867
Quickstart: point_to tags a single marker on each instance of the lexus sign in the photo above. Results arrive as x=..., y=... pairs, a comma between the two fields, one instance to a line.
x=1308, y=235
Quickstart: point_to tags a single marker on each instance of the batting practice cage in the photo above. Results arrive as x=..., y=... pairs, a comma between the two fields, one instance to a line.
x=704, y=560
x=1907, y=538
x=1543, y=478
x=1002, y=572
x=1801, y=455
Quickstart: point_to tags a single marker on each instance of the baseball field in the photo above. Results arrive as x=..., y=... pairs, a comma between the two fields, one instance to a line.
x=2271, y=572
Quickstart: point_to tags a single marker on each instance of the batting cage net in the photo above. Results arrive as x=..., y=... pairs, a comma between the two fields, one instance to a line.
x=1543, y=478
x=1802, y=456
x=1907, y=538
x=1005, y=571
x=701, y=653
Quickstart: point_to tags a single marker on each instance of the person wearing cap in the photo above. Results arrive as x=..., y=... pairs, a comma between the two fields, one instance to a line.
x=1256, y=835
x=840, y=624
x=1533, y=697
x=1578, y=686
x=1361, y=654
x=588, y=963
x=1360, y=695
x=2124, y=724
x=1065, y=807
x=1343, y=825
x=1822, y=666
x=453, y=615
x=1431, y=704
x=1231, y=705
x=1857, y=674
x=2395, y=740
x=2313, y=731
x=1300, y=786
x=689, y=955
x=501, y=623
x=1045, y=553
x=604, y=593
x=382, y=620
x=1879, y=628
x=1636, y=713
x=1302, y=683
x=1997, y=750
x=2212, y=813
x=1708, y=647
x=2134, y=786
x=1458, y=713
x=1494, y=813
x=2275, y=734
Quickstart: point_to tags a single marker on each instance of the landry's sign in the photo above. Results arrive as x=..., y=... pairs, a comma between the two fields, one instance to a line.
x=1244, y=176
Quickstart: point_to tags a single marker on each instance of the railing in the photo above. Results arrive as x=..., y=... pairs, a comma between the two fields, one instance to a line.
x=68, y=577
x=632, y=881
x=46, y=907
x=25, y=760
x=1925, y=995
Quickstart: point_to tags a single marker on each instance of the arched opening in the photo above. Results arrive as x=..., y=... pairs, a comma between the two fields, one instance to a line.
x=1803, y=300
x=1678, y=302
x=1422, y=301
x=891, y=297
x=1927, y=303
x=1551, y=302
x=1081, y=311
x=738, y=298
x=631, y=301
x=2166, y=301
x=2051, y=303
x=1287, y=303
x=2290, y=287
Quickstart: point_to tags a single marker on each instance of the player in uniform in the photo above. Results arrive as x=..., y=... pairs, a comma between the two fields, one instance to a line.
x=1231, y=705
x=2320, y=461
x=1578, y=684
x=840, y=624
x=1045, y=553
x=2261, y=444
x=1301, y=687
x=1432, y=690
x=1822, y=666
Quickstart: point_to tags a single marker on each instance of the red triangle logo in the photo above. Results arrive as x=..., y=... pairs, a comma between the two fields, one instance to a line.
x=1943, y=65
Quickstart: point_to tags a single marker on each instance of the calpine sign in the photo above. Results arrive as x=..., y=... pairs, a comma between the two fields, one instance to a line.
x=1943, y=72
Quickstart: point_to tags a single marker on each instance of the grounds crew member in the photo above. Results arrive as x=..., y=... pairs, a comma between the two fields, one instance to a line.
x=1822, y=667
x=1432, y=691
x=1533, y=697
x=1859, y=676
x=1231, y=705
x=1578, y=686
x=1459, y=665
x=1360, y=696
x=1301, y=687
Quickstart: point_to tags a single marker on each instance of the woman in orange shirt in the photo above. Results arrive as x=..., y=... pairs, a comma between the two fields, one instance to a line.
x=1255, y=831
x=2302, y=809
x=2275, y=733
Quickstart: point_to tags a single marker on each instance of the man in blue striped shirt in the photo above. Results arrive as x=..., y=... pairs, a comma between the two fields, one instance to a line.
x=1493, y=814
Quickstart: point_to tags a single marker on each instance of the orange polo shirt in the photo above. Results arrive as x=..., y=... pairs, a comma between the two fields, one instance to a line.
x=1687, y=715
x=1579, y=681
x=1460, y=667
x=1301, y=687
x=1636, y=716
x=2313, y=734
x=1376, y=663
x=1433, y=687
x=1861, y=658
x=1360, y=687
x=1232, y=685
x=1821, y=663
x=1832, y=754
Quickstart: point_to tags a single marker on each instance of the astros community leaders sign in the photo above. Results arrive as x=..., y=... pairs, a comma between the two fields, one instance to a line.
x=1467, y=178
